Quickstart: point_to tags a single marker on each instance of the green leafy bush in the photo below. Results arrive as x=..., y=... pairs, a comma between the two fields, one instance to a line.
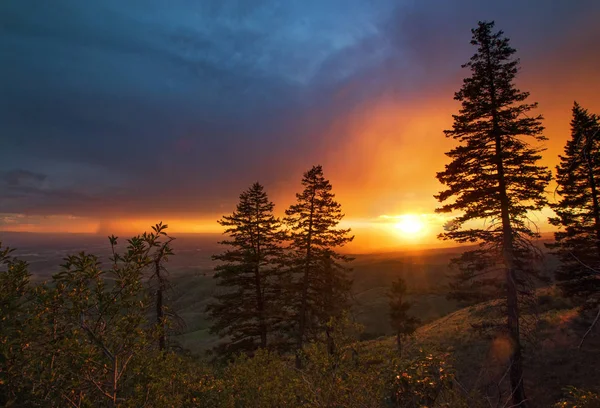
x=577, y=398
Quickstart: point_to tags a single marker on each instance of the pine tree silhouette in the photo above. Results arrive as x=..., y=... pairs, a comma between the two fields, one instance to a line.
x=494, y=176
x=248, y=314
x=578, y=210
x=321, y=286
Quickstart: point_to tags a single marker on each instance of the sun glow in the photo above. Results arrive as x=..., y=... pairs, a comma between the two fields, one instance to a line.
x=410, y=225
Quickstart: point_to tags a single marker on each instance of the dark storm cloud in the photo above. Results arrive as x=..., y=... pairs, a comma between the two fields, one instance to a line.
x=133, y=106
x=28, y=192
x=19, y=177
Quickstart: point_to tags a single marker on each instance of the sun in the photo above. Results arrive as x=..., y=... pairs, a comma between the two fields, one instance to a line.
x=410, y=225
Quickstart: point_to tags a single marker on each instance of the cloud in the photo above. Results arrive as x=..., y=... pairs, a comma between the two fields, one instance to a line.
x=155, y=106
x=19, y=178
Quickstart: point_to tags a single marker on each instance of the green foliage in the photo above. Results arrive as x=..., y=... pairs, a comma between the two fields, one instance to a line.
x=577, y=398
x=14, y=289
x=422, y=381
x=321, y=286
x=250, y=311
x=60, y=340
x=171, y=380
x=350, y=375
x=84, y=339
x=578, y=211
x=264, y=380
x=354, y=376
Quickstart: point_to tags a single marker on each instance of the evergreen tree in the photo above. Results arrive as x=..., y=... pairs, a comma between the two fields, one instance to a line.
x=249, y=312
x=578, y=210
x=494, y=178
x=321, y=286
x=402, y=323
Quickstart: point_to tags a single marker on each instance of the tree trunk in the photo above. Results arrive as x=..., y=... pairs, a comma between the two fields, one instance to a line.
x=304, y=300
x=160, y=310
x=260, y=304
x=596, y=205
x=261, y=308
x=399, y=343
x=330, y=341
x=115, y=381
x=329, y=307
x=515, y=358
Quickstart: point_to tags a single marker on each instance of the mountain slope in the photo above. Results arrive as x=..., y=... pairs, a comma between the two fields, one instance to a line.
x=553, y=359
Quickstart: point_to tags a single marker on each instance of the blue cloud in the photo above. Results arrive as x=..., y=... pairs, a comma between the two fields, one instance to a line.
x=193, y=97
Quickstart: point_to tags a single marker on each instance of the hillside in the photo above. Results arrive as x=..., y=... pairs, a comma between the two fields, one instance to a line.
x=191, y=272
x=372, y=274
x=424, y=271
x=552, y=357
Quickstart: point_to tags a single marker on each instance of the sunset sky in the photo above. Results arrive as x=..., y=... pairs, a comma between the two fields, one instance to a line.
x=116, y=114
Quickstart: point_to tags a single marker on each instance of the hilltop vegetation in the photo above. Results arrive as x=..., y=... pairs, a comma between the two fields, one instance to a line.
x=553, y=358
x=448, y=363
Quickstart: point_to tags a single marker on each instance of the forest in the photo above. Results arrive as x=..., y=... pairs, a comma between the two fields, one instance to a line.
x=104, y=332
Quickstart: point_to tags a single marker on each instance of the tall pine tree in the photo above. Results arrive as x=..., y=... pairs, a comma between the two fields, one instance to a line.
x=578, y=210
x=321, y=286
x=248, y=313
x=494, y=178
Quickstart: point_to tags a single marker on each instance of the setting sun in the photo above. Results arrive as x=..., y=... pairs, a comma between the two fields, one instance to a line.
x=410, y=225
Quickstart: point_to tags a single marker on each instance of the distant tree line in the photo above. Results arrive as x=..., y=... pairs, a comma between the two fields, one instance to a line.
x=102, y=335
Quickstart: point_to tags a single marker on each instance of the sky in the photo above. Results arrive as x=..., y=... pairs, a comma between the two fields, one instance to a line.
x=116, y=114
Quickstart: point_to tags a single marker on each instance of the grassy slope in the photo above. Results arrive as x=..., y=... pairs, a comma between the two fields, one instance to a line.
x=552, y=357
x=425, y=272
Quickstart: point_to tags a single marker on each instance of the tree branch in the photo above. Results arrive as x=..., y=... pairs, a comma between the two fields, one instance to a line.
x=590, y=329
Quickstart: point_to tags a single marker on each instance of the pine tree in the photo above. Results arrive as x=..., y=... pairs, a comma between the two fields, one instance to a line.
x=494, y=178
x=248, y=313
x=578, y=210
x=402, y=323
x=321, y=286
